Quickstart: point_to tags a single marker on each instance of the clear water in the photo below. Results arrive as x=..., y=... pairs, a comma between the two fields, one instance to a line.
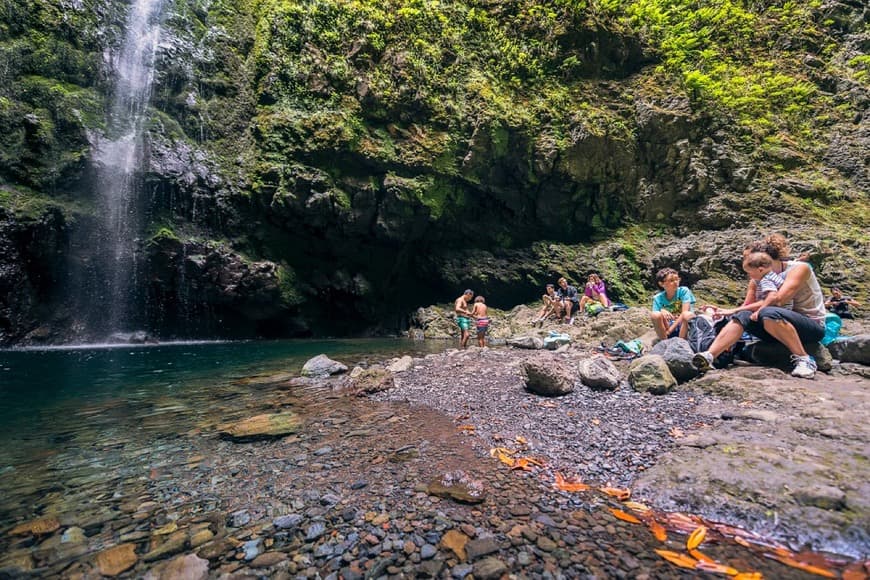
x=36, y=382
x=81, y=419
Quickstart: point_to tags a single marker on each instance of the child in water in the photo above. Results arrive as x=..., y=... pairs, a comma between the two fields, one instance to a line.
x=479, y=314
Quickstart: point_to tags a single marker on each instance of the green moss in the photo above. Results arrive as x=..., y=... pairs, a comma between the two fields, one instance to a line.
x=161, y=235
x=291, y=294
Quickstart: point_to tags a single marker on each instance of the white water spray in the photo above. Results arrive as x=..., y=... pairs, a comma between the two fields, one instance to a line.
x=119, y=158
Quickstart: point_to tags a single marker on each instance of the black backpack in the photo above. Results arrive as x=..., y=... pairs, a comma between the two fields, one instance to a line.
x=702, y=333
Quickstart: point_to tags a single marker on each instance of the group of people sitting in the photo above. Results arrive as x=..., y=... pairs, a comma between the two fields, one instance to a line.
x=566, y=303
x=783, y=303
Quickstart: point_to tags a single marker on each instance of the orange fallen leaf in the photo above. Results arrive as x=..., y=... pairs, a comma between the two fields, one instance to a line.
x=636, y=506
x=742, y=542
x=658, y=531
x=466, y=427
x=716, y=568
x=620, y=494
x=702, y=557
x=805, y=567
x=526, y=463
x=624, y=516
x=566, y=485
x=596, y=421
x=681, y=560
x=854, y=573
x=748, y=576
x=503, y=455
x=696, y=537
x=522, y=440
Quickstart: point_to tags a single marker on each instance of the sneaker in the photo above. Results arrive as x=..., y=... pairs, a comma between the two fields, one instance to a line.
x=703, y=361
x=570, y=321
x=804, y=366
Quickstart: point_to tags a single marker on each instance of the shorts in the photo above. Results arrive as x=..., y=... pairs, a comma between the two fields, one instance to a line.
x=482, y=326
x=676, y=331
x=808, y=330
x=463, y=322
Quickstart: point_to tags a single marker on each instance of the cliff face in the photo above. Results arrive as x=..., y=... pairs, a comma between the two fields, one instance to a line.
x=324, y=166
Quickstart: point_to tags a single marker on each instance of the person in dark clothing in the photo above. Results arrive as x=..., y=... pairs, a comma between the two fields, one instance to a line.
x=839, y=304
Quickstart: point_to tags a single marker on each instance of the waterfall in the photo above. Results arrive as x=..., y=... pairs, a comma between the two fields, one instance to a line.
x=119, y=158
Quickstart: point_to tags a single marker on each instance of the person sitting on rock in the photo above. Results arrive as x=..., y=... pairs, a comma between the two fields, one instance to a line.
x=673, y=307
x=479, y=314
x=803, y=325
x=552, y=305
x=463, y=317
x=570, y=300
x=839, y=304
x=765, y=283
x=595, y=291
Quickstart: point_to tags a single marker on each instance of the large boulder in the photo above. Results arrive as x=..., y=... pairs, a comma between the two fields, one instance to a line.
x=322, y=366
x=599, y=373
x=852, y=349
x=678, y=355
x=650, y=374
x=776, y=354
x=548, y=377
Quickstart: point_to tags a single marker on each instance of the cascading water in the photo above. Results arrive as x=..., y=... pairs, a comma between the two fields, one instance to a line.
x=119, y=157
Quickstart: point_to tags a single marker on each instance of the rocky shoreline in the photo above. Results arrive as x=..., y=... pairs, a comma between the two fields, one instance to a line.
x=399, y=470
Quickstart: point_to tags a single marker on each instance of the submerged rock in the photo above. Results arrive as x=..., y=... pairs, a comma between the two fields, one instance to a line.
x=115, y=560
x=37, y=527
x=187, y=567
x=261, y=427
x=322, y=366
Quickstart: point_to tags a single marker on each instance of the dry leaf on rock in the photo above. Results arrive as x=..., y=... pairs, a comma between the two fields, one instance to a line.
x=569, y=485
x=696, y=537
x=658, y=531
x=701, y=556
x=618, y=493
x=637, y=506
x=624, y=516
x=805, y=567
x=681, y=560
x=716, y=568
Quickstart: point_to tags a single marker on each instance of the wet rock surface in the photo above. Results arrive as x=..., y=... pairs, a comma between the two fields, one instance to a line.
x=398, y=484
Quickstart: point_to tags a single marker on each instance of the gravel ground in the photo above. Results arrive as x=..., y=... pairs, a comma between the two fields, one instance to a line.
x=604, y=437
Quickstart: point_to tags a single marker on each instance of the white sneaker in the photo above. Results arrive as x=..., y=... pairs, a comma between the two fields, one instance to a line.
x=570, y=321
x=804, y=366
x=703, y=361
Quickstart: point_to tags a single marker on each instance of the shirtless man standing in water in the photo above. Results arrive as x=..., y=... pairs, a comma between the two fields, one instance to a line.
x=463, y=317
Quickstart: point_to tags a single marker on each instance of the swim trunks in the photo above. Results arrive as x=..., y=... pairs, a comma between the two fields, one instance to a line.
x=482, y=325
x=463, y=322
